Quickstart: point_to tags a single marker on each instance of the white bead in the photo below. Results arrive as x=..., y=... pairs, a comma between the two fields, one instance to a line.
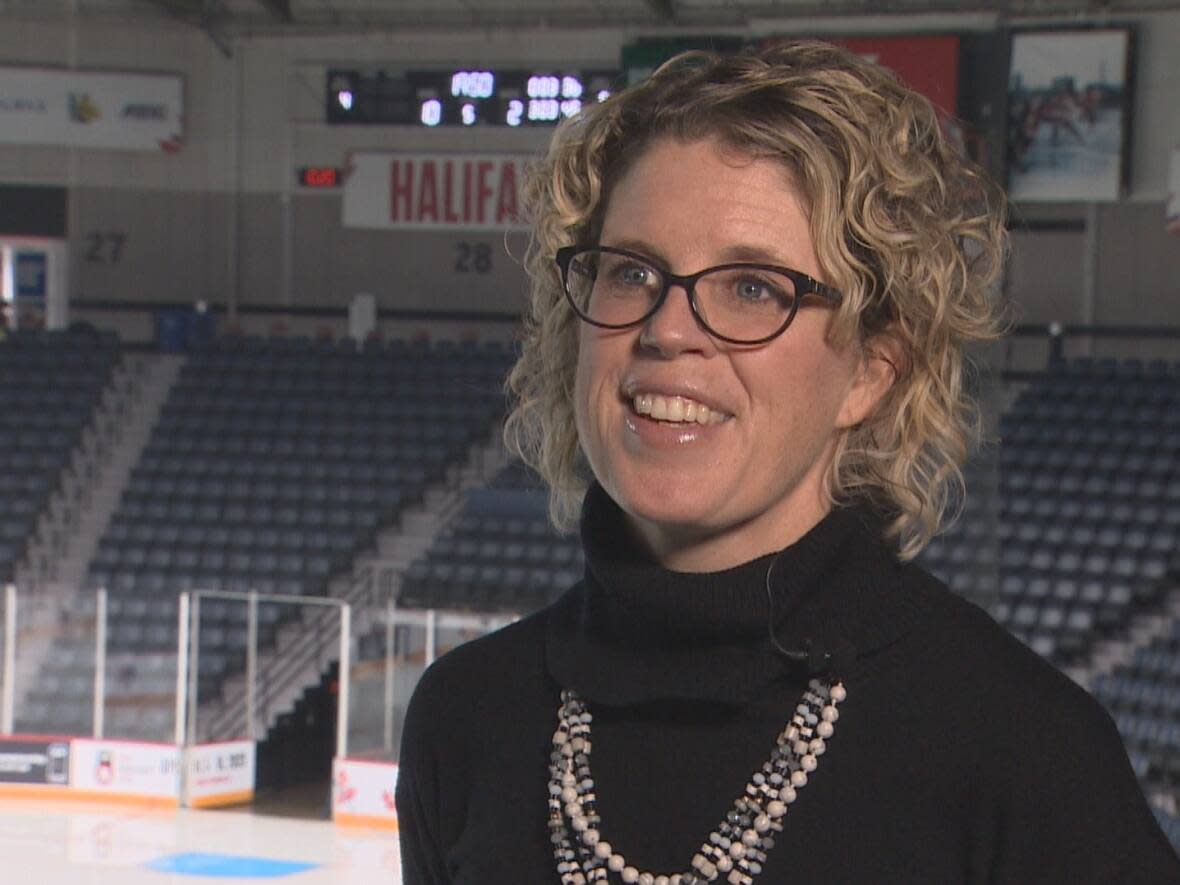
x=591, y=837
x=809, y=763
x=798, y=778
x=776, y=809
x=569, y=780
x=663, y=880
x=724, y=864
x=789, y=795
x=838, y=692
x=616, y=863
x=602, y=850
x=737, y=850
x=630, y=874
x=579, y=824
x=559, y=737
x=800, y=747
x=825, y=730
x=749, y=838
x=569, y=794
x=762, y=823
x=647, y=879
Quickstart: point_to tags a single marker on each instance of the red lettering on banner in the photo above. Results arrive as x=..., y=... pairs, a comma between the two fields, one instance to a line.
x=485, y=189
x=449, y=215
x=506, y=204
x=427, y=195
x=466, y=191
x=401, y=191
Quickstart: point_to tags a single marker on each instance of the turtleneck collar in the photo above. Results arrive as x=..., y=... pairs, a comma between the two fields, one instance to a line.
x=634, y=631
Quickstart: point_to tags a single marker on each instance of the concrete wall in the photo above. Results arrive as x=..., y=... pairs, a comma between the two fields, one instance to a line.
x=224, y=221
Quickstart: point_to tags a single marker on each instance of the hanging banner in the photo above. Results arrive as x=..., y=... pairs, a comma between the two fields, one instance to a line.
x=1173, y=210
x=132, y=112
x=433, y=191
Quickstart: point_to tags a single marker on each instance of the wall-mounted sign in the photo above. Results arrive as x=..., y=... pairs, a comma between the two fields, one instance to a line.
x=134, y=112
x=30, y=271
x=320, y=176
x=433, y=191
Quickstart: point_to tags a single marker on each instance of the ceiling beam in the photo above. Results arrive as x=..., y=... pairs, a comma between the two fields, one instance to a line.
x=665, y=10
x=281, y=8
x=185, y=9
x=205, y=14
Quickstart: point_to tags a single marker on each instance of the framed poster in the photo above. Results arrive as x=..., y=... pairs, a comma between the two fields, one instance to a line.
x=1068, y=114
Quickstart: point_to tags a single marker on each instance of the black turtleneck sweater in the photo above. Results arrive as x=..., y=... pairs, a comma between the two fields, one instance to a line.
x=959, y=756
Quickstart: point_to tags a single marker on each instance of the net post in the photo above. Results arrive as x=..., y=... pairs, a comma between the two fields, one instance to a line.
x=182, y=631
x=342, y=681
x=100, y=664
x=9, y=667
x=251, y=662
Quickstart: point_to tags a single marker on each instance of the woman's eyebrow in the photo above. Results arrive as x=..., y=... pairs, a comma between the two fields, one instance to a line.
x=735, y=252
x=640, y=246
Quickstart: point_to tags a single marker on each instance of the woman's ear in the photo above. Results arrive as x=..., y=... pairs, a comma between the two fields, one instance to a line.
x=881, y=363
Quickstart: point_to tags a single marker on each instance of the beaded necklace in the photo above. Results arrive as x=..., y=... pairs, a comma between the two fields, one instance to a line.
x=736, y=850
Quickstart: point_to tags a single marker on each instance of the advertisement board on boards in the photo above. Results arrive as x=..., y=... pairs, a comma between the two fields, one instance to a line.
x=219, y=774
x=34, y=761
x=126, y=768
x=363, y=793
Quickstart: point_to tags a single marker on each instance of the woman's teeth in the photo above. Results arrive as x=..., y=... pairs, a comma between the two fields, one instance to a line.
x=675, y=409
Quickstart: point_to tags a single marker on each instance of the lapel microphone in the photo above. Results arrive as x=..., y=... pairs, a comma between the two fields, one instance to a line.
x=831, y=656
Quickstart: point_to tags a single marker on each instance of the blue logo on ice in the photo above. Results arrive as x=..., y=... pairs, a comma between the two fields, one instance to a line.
x=227, y=866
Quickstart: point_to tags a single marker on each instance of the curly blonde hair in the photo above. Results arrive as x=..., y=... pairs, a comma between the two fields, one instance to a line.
x=911, y=232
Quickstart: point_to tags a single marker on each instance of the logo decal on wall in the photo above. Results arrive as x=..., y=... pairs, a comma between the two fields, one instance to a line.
x=82, y=108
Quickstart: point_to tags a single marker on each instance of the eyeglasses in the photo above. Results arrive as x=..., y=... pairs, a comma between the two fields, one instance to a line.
x=740, y=303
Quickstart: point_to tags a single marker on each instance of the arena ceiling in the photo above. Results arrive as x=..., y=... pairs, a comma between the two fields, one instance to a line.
x=228, y=17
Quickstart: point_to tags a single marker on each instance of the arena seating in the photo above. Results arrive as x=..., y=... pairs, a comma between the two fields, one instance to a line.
x=50, y=384
x=1144, y=698
x=499, y=555
x=1090, y=498
x=273, y=464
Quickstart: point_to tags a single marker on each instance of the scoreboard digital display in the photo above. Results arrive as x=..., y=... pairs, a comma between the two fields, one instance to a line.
x=467, y=97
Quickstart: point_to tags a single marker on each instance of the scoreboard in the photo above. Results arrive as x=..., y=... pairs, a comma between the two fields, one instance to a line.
x=466, y=97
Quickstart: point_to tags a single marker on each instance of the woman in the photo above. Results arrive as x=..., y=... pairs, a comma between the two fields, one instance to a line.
x=752, y=278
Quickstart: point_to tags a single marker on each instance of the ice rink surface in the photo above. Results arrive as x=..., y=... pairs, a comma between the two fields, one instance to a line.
x=73, y=843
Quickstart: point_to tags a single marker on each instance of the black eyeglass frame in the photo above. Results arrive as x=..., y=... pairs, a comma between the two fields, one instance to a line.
x=804, y=285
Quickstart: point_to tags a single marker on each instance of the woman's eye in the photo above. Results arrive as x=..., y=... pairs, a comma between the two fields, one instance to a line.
x=755, y=290
x=634, y=274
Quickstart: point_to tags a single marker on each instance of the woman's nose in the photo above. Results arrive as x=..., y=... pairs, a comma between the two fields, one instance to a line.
x=674, y=327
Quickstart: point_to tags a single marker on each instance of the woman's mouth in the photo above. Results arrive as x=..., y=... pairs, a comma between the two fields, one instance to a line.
x=676, y=409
